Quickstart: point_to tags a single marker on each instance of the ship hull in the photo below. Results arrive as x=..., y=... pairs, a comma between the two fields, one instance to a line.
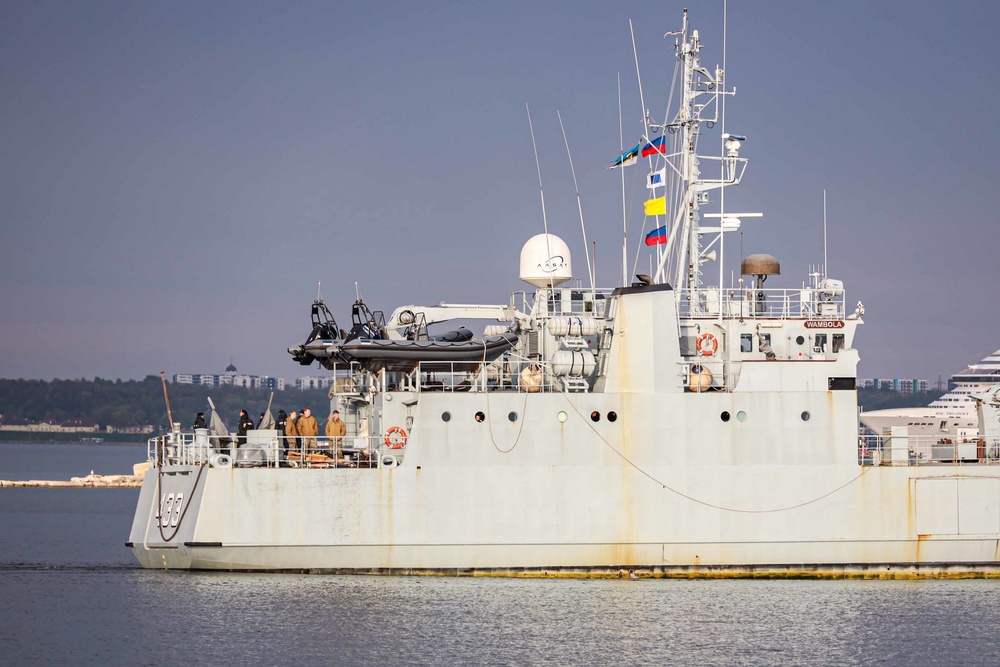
x=848, y=536
x=582, y=501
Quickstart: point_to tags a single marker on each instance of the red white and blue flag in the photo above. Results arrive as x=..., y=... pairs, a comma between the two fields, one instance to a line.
x=657, y=236
x=656, y=146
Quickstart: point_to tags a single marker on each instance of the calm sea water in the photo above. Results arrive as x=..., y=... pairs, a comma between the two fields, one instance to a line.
x=71, y=593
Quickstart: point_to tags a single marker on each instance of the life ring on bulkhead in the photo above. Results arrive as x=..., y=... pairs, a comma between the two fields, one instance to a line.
x=707, y=345
x=395, y=437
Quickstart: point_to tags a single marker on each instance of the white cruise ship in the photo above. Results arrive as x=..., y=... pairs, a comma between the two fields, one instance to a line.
x=953, y=411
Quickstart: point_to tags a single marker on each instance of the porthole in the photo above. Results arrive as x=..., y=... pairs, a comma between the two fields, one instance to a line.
x=725, y=415
x=595, y=416
x=512, y=416
x=446, y=416
x=741, y=416
x=612, y=416
x=561, y=417
x=480, y=417
x=799, y=340
x=805, y=415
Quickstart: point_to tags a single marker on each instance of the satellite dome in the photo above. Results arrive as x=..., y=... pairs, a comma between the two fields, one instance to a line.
x=545, y=261
x=760, y=265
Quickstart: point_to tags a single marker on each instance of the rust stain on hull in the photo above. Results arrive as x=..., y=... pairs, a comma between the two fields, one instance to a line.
x=886, y=571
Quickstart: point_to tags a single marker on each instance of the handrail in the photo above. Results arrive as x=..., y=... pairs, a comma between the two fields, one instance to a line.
x=270, y=449
x=773, y=303
x=502, y=375
x=921, y=450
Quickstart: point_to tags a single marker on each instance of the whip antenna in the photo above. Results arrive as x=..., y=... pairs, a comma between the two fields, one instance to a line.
x=541, y=192
x=579, y=204
x=826, y=273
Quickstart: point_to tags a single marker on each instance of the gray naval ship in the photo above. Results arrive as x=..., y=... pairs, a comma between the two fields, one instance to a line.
x=666, y=427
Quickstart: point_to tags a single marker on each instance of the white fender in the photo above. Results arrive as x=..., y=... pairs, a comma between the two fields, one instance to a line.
x=221, y=461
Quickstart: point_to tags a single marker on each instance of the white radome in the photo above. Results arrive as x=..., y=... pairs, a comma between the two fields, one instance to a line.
x=545, y=261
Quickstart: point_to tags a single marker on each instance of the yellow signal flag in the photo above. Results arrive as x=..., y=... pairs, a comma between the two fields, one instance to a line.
x=656, y=206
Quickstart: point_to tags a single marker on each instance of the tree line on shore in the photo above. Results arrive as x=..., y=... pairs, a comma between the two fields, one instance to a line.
x=884, y=399
x=136, y=403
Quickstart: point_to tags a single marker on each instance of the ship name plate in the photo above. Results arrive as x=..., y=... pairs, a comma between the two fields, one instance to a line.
x=824, y=324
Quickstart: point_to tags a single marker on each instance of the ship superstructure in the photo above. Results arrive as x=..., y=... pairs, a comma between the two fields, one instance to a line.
x=670, y=425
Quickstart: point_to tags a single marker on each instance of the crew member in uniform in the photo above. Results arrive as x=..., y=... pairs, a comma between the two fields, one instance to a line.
x=280, y=425
x=246, y=424
x=336, y=430
x=308, y=429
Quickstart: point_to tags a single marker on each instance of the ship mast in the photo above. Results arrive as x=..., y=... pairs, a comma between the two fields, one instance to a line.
x=699, y=104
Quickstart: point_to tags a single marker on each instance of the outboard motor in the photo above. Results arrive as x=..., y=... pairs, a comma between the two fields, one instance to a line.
x=324, y=327
x=365, y=323
x=325, y=331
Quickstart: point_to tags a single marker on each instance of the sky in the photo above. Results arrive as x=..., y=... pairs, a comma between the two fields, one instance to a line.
x=177, y=178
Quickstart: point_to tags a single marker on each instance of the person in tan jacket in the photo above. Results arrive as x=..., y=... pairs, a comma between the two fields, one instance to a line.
x=335, y=431
x=292, y=432
x=308, y=430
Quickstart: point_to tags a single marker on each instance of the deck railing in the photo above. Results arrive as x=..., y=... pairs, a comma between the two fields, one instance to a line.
x=564, y=301
x=270, y=449
x=517, y=375
x=811, y=303
x=914, y=450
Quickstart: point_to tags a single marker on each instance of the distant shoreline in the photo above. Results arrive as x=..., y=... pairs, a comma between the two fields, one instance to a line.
x=36, y=438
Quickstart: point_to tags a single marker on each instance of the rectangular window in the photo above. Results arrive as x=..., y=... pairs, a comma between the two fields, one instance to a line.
x=746, y=342
x=765, y=341
x=838, y=342
x=819, y=343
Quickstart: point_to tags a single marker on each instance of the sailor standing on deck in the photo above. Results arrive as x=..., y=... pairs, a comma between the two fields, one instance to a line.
x=308, y=429
x=245, y=425
x=336, y=430
x=280, y=425
x=292, y=431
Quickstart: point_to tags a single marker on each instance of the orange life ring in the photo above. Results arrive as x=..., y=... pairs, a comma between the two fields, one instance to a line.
x=395, y=437
x=707, y=345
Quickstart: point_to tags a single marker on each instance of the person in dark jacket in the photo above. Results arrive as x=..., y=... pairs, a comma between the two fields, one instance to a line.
x=246, y=424
x=199, y=421
x=280, y=425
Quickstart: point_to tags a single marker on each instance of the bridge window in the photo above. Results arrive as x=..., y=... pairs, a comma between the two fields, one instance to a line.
x=746, y=342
